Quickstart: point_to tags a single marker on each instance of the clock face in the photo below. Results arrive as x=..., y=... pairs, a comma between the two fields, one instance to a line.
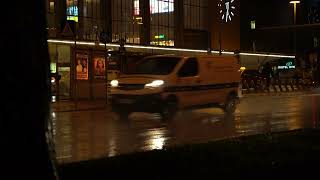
x=226, y=10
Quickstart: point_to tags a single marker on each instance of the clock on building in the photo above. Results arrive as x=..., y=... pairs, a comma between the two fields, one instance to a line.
x=226, y=10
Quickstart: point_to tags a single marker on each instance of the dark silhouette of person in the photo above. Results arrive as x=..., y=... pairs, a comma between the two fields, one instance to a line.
x=268, y=73
x=317, y=73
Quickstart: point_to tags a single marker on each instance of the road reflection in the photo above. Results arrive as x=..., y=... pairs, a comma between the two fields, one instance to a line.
x=155, y=139
x=95, y=134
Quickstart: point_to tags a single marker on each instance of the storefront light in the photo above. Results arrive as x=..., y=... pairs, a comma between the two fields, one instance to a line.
x=167, y=48
x=268, y=55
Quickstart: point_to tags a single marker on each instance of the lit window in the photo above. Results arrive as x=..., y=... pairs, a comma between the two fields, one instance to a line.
x=72, y=10
x=136, y=11
x=51, y=7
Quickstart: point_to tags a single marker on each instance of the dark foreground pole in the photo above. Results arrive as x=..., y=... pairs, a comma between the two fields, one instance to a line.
x=25, y=92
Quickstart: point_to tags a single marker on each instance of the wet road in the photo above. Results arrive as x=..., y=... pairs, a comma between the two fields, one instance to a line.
x=87, y=135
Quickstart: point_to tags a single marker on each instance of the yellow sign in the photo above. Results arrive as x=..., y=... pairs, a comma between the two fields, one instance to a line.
x=67, y=30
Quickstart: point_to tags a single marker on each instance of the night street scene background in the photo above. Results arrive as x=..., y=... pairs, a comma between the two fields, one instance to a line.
x=161, y=89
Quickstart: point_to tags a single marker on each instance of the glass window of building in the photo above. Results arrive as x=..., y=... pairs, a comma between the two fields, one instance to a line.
x=91, y=19
x=51, y=23
x=162, y=22
x=88, y=15
x=72, y=10
x=51, y=7
x=196, y=14
x=126, y=21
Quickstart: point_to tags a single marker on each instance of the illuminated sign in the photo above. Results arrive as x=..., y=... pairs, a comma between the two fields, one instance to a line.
x=161, y=6
x=161, y=36
x=136, y=9
x=82, y=66
x=162, y=43
x=226, y=10
x=253, y=24
x=99, y=67
x=138, y=20
x=73, y=13
x=289, y=65
x=53, y=67
x=73, y=18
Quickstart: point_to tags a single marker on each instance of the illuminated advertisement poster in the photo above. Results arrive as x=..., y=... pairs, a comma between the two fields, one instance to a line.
x=161, y=6
x=82, y=66
x=72, y=10
x=99, y=67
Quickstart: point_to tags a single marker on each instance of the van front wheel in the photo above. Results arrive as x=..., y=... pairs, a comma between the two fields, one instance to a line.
x=230, y=105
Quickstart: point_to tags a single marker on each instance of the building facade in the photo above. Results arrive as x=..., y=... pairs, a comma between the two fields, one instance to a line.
x=75, y=28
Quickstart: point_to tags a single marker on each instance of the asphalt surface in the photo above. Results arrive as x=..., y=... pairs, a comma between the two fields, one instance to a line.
x=95, y=133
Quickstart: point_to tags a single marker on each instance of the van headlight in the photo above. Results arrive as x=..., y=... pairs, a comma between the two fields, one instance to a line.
x=114, y=83
x=155, y=84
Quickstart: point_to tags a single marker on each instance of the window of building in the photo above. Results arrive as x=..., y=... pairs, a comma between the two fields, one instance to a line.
x=196, y=14
x=51, y=7
x=72, y=10
x=136, y=8
x=88, y=13
x=126, y=21
x=51, y=18
x=162, y=22
x=91, y=20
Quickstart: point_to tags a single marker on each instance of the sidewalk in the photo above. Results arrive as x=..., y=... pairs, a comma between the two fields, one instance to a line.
x=92, y=105
x=82, y=105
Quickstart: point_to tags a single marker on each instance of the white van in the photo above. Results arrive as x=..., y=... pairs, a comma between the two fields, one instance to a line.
x=164, y=84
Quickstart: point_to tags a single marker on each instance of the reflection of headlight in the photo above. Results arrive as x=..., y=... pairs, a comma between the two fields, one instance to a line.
x=114, y=83
x=155, y=84
x=53, y=80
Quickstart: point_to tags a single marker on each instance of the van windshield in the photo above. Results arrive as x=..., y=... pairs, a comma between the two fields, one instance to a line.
x=155, y=66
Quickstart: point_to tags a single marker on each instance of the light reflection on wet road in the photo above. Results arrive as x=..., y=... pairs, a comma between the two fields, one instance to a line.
x=94, y=134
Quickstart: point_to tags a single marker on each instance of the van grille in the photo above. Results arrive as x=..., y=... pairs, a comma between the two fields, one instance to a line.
x=131, y=86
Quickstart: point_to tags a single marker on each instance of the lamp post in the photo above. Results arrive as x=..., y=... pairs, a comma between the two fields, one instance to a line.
x=295, y=10
x=295, y=22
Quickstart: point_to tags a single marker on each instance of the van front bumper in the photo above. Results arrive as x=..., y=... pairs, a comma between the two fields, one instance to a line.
x=137, y=103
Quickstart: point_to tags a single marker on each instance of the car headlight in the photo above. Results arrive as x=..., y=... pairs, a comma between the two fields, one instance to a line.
x=114, y=83
x=155, y=84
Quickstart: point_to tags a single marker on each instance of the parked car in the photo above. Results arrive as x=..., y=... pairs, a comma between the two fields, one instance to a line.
x=252, y=78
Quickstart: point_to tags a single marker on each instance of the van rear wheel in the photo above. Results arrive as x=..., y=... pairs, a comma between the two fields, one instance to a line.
x=231, y=104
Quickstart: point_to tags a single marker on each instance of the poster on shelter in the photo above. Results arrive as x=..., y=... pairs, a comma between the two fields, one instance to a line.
x=99, y=67
x=82, y=66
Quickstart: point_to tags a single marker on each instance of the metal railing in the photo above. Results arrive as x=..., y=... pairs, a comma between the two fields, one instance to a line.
x=277, y=86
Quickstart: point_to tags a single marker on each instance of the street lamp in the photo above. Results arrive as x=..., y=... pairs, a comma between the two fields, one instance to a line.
x=294, y=22
x=295, y=10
